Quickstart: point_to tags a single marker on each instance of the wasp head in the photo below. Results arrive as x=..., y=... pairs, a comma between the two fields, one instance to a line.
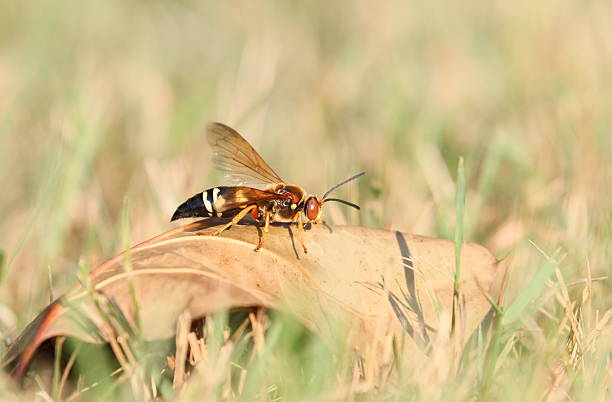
x=312, y=209
x=313, y=205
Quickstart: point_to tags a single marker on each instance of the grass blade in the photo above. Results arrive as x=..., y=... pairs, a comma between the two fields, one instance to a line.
x=530, y=293
x=459, y=209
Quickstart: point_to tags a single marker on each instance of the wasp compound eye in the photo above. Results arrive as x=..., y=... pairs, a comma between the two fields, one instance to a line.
x=312, y=209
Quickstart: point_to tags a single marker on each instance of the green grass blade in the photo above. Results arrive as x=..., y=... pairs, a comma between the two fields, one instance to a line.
x=57, y=368
x=530, y=293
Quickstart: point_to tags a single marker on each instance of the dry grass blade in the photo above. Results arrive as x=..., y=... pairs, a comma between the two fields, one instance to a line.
x=182, y=331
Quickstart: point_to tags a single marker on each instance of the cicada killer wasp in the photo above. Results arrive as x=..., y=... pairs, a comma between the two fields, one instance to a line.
x=258, y=190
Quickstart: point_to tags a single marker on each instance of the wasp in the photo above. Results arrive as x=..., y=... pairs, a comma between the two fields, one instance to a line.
x=258, y=190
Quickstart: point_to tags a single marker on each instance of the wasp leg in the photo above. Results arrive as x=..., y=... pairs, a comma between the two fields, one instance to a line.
x=255, y=213
x=234, y=221
x=264, y=232
x=300, y=228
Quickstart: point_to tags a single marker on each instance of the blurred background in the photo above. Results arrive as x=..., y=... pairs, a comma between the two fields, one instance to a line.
x=103, y=104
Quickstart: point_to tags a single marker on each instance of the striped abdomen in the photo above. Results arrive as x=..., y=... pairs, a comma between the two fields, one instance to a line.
x=204, y=204
x=225, y=201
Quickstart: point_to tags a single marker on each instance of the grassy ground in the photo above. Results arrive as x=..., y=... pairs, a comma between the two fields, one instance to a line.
x=102, y=106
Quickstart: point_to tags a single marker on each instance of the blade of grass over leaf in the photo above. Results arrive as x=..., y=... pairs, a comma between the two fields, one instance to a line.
x=2, y=267
x=459, y=211
x=125, y=232
x=50, y=284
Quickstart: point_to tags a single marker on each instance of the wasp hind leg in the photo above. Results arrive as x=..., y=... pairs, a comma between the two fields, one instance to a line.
x=234, y=221
x=264, y=232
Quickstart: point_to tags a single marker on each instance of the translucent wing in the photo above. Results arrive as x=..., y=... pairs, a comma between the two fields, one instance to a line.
x=237, y=158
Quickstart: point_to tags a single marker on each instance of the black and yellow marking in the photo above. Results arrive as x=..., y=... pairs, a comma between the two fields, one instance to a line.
x=202, y=205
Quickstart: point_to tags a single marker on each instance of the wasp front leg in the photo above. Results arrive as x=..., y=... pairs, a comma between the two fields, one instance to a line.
x=264, y=232
x=234, y=221
x=300, y=225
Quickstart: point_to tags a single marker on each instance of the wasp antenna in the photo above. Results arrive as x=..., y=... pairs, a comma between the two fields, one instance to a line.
x=342, y=183
x=350, y=204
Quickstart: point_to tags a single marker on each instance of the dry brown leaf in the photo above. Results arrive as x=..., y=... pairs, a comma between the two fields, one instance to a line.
x=381, y=282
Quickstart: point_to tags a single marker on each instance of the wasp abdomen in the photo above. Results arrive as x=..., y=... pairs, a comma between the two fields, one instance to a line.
x=200, y=205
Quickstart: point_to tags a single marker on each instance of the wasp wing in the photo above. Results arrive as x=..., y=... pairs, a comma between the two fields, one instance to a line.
x=237, y=158
x=240, y=197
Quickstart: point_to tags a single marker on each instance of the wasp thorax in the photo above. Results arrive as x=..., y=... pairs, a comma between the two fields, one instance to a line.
x=312, y=208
